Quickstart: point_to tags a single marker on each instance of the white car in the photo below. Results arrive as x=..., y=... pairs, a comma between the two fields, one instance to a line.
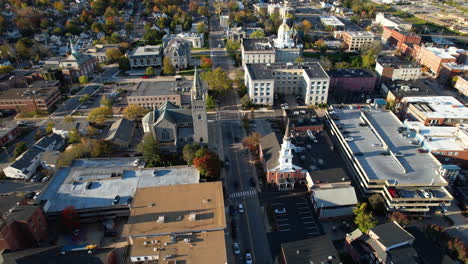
x=349, y=139
x=425, y=194
x=241, y=208
x=45, y=179
x=248, y=258
x=280, y=210
x=136, y=162
x=236, y=247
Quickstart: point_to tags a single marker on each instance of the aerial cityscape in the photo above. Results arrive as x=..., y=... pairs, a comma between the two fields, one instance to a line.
x=233, y=132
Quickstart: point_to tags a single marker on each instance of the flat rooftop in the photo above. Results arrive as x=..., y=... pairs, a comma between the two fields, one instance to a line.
x=438, y=106
x=147, y=50
x=351, y=73
x=331, y=21
x=448, y=53
x=403, y=89
x=265, y=71
x=203, y=247
x=109, y=177
x=257, y=44
x=442, y=137
x=176, y=209
x=381, y=136
x=157, y=88
x=313, y=250
x=27, y=93
x=360, y=34
x=397, y=63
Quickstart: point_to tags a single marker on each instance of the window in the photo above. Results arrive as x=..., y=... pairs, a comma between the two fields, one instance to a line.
x=165, y=135
x=199, y=117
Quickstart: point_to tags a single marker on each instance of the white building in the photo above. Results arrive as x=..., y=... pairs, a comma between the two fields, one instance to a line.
x=26, y=164
x=332, y=21
x=306, y=80
x=224, y=21
x=178, y=51
x=145, y=56
x=392, y=68
x=392, y=22
x=287, y=36
x=196, y=40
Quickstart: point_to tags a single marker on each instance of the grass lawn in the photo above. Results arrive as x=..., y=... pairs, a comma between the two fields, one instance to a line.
x=187, y=72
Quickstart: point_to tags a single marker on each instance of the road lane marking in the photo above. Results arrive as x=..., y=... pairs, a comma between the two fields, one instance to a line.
x=285, y=230
x=304, y=207
x=302, y=203
x=283, y=225
x=277, y=203
x=306, y=217
x=309, y=227
x=304, y=212
x=309, y=223
x=279, y=219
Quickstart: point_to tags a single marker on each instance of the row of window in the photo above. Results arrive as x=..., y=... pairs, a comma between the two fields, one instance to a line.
x=151, y=99
x=262, y=94
x=446, y=153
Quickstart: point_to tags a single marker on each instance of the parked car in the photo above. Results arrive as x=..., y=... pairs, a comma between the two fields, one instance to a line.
x=280, y=210
x=423, y=150
x=236, y=247
x=45, y=179
x=116, y=200
x=136, y=162
x=349, y=139
x=248, y=258
x=241, y=208
x=252, y=182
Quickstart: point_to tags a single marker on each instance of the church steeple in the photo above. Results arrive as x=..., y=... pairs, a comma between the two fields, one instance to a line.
x=286, y=155
x=197, y=89
x=72, y=47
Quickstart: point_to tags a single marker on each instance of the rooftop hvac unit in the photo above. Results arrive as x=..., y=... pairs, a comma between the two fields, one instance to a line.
x=161, y=219
x=192, y=217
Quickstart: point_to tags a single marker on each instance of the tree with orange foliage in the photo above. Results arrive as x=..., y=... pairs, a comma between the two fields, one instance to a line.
x=70, y=218
x=206, y=62
x=252, y=142
x=207, y=163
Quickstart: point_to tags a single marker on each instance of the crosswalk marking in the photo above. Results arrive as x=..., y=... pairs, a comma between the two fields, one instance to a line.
x=250, y=192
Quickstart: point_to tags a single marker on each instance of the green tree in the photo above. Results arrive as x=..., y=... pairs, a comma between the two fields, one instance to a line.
x=168, y=68
x=217, y=80
x=99, y=115
x=106, y=101
x=203, y=11
x=49, y=128
x=257, y=34
x=83, y=79
x=113, y=54
x=124, y=63
x=299, y=60
x=149, y=147
x=201, y=28
x=149, y=71
x=38, y=135
x=6, y=69
x=68, y=119
x=232, y=47
x=84, y=98
x=363, y=219
x=24, y=48
x=370, y=53
x=377, y=203
x=134, y=112
x=19, y=149
x=210, y=103
x=207, y=163
x=152, y=37
x=74, y=136
x=189, y=152
x=96, y=27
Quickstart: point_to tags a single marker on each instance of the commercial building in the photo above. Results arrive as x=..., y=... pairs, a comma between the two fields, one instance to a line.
x=303, y=120
x=278, y=161
x=352, y=80
x=355, y=40
x=155, y=93
x=312, y=250
x=92, y=186
x=450, y=70
x=384, y=161
x=196, y=40
x=448, y=144
x=462, y=85
x=332, y=22
x=433, y=58
x=143, y=57
x=393, y=68
x=328, y=179
x=389, y=21
x=434, y=110
x=306, y=80
x=179, y=223
x=332, y=203
x=77, y=64
x=98, y=52
x=258, y=50
x=8, y=132
x=40, y=96
x=26, y=164
x=22, y=224
x=395, y=91
x=396, y=38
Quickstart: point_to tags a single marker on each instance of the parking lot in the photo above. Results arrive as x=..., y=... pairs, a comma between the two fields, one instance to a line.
x=295, y=220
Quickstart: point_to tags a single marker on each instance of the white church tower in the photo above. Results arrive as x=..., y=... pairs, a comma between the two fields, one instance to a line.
x=285, y=37
x=286, y=155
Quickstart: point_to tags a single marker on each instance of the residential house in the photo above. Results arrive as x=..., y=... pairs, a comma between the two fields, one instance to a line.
x=122, y=132
x=26, y=164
